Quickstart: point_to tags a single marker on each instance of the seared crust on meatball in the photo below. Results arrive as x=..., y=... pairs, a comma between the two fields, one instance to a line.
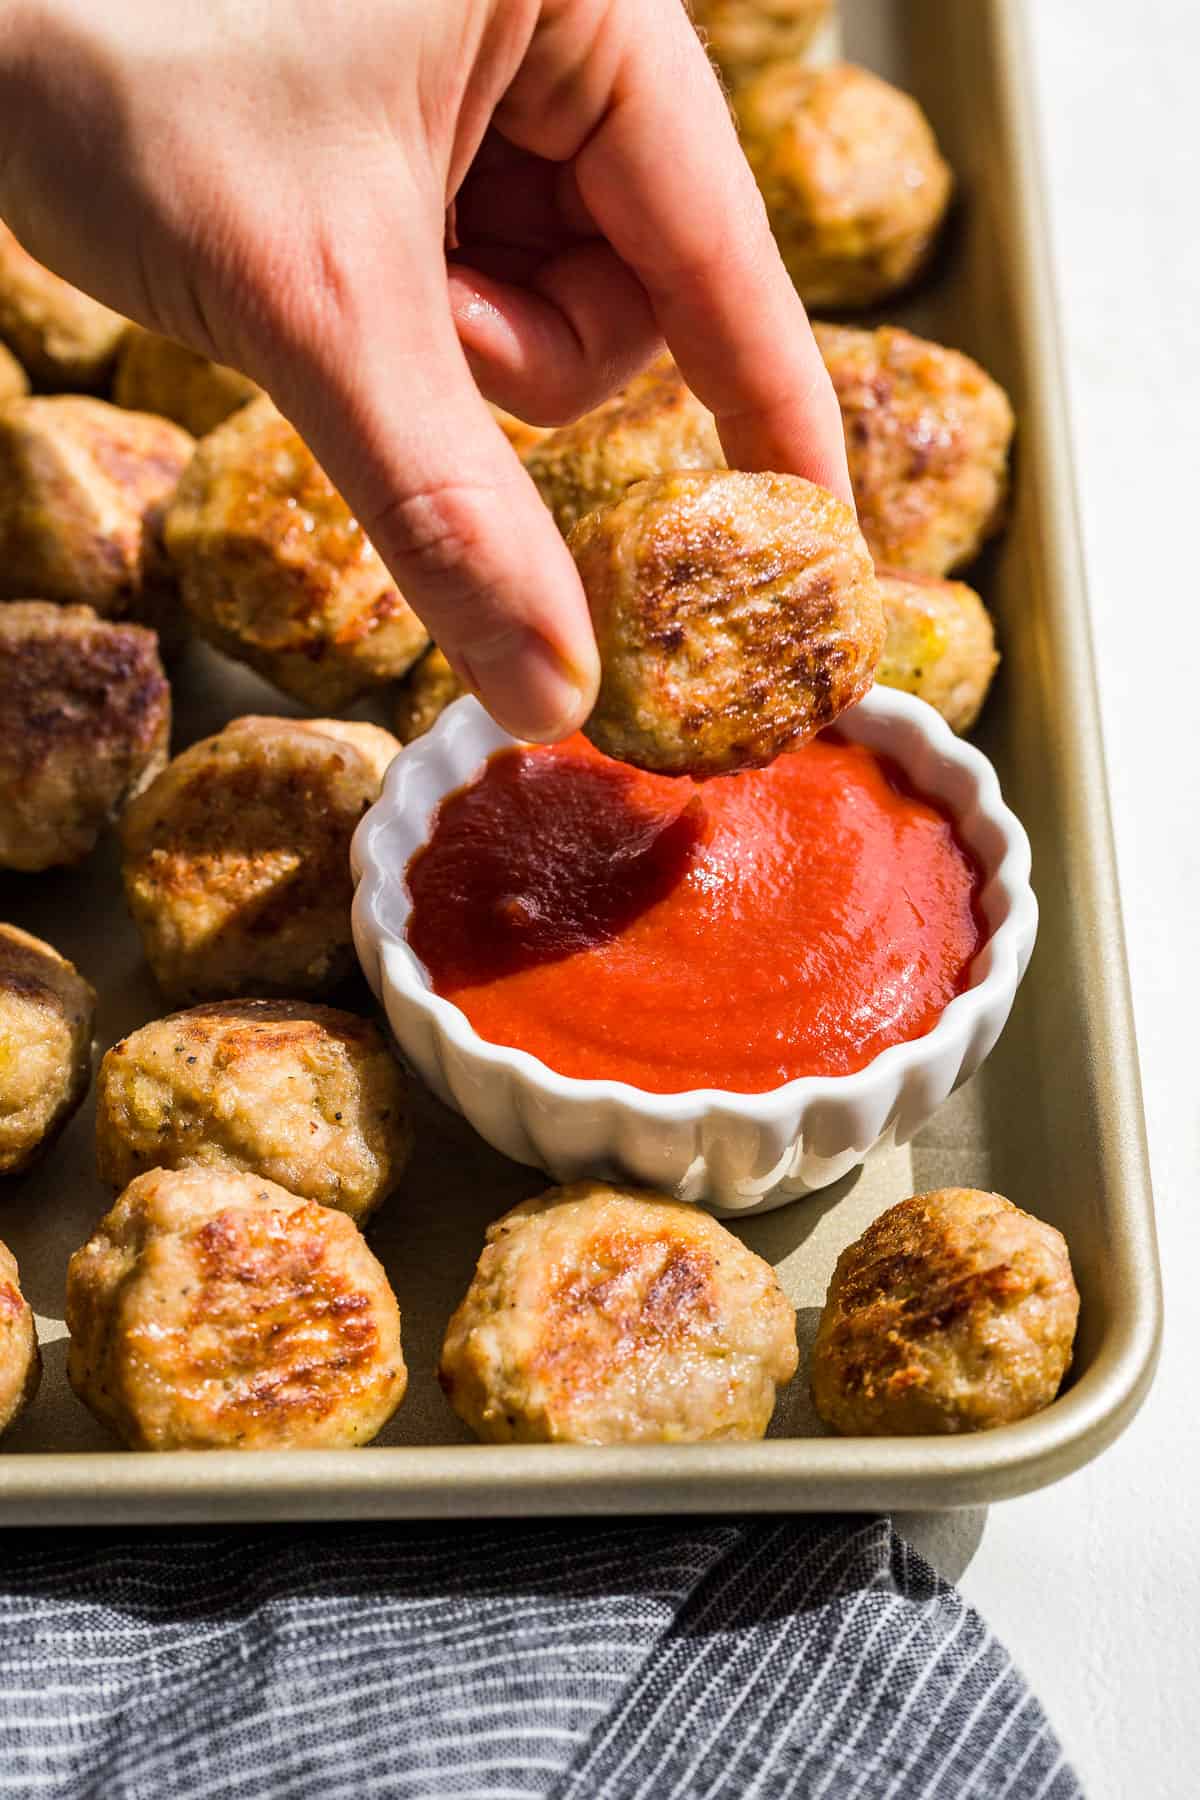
x=424, y=696
x=736, y=616
x=156, y=375
x=211, y=1310
x=652, y=426
x=82, y=485
x=47, y=1012
x=64, y=338
x=13, y=380
x=600, y=1315
x=927, y=435
x=308, y=1097
x=850, y=172
x=276, y=572
x=940, y=644
x=20, y=1358
x=85, y=716
x=955, y=1311
x=236, y=859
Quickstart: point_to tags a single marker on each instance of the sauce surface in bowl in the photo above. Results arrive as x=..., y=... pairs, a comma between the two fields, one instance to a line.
x=795, y=920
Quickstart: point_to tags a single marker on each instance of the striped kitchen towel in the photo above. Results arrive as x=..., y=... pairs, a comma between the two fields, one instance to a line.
x=741, y=1660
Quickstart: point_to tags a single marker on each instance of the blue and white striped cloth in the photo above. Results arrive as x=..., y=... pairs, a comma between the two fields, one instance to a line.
x=746, y=1660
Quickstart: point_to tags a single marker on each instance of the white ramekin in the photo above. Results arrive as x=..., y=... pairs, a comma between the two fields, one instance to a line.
x=735, y=1152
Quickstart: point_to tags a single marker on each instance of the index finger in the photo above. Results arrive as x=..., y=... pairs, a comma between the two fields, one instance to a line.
x=662, y=175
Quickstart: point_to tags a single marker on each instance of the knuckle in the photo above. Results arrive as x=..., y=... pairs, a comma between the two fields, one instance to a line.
x=447, y=544
x=439, y=526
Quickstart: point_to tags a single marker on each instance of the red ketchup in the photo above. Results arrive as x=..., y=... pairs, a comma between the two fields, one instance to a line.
x=795, y=920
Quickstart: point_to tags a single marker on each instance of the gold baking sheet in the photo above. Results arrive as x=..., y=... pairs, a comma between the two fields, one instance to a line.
x=1054, y=1118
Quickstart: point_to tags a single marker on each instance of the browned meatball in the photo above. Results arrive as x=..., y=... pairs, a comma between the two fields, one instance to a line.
x=927, y=434
x=424, y=696
x=744, y=36
x=854, y=184
x=85, y=716
x=64, y=338
x=47, y=1012
x=736, y=615
x=237, y=858
x=13, y=380
x=954, y=1311
x=521, y=436
x=20, y=1358
x=303, y=1095
x=652, y=426
x=211, y=1310
x=82, y=485
x=276, y=572
x=599, y=1315
x=156, y=375
x=940, y=644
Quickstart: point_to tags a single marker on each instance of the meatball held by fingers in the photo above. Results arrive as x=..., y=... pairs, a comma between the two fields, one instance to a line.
x=736, y=616
x=236, y=860
x=653, y=426
x=85, y=715
x=47, y=1013
x=599, y=1315
x=955, y=1311
x=20, y=1358
x=211, y=1310
x=520, y=435
x=304, y=1095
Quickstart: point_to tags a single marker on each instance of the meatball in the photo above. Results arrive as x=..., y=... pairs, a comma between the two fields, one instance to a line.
x=940, y=644
x=211, y=1310
x=85, y=716
x=654, y=425
x=276, y=572
x=156, y=375
x=47, y=1012
x=426, y=693
x=13, y=380
x=64, y=338
x=20, y=1358
x=850, y=173
x=743, y=36
x=521, y=436
x=927, y=434
x=736, y=615
x=82, y=485
x=954, y=1311
x=305, y=1096
x=604, y=1316
x=237, y=858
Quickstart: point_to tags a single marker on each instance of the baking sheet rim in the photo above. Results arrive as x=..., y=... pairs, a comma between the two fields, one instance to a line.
x=777, y=1474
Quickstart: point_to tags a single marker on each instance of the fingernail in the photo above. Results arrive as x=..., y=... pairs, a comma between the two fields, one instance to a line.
x=528, y=686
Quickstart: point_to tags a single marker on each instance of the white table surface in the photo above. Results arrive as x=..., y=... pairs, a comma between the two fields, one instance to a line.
x=1095, y=1583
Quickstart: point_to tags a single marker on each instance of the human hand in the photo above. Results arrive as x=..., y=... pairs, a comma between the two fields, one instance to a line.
x=380, y=210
